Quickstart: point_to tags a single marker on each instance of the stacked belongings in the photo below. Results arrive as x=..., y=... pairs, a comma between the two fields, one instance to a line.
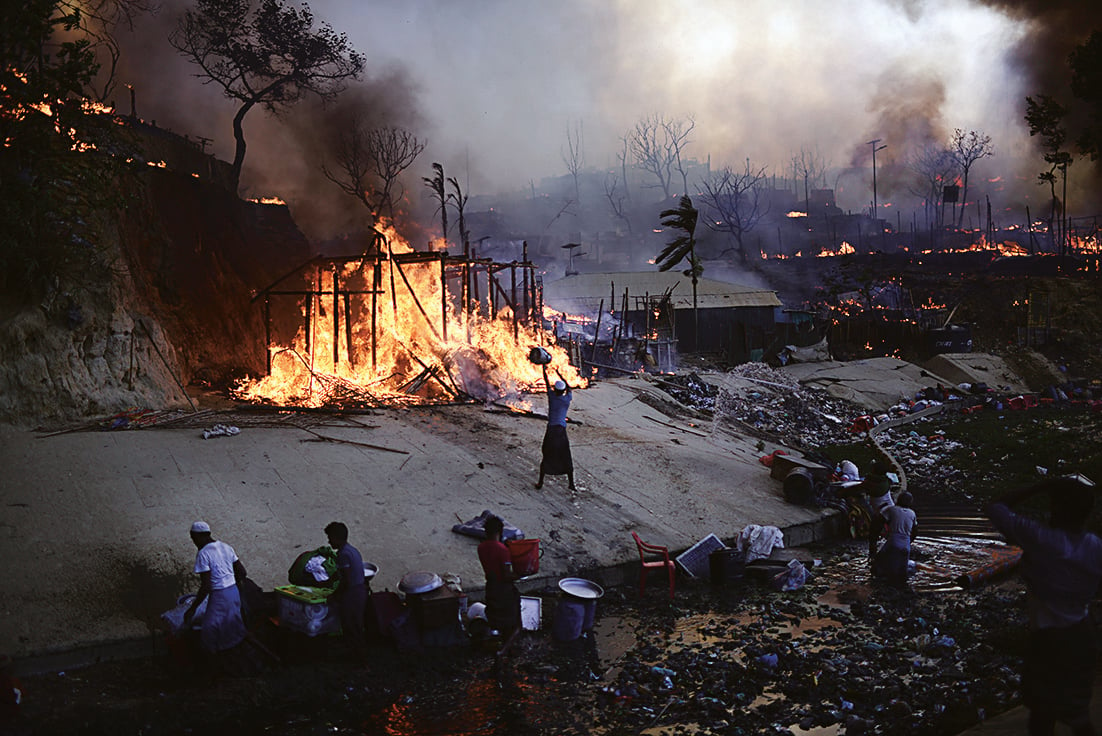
x=303, y=605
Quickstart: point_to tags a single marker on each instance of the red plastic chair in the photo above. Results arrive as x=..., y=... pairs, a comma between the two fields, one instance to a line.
x=652, y=564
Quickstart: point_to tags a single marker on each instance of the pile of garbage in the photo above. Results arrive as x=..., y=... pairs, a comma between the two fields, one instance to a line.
x=778, y=408
x=925, y=454
x=892, y=663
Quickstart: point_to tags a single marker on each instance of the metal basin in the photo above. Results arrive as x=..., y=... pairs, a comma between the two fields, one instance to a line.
x=370, y=570
x=416, y=583
x=581, y=588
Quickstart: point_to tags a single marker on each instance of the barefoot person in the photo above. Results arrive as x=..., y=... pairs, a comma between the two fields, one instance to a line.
x=556, y=445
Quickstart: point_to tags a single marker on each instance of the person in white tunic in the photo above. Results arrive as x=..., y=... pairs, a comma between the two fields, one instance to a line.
x=218, y=569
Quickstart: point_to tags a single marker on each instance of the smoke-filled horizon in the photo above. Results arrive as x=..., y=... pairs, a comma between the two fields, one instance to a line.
x=494, y=86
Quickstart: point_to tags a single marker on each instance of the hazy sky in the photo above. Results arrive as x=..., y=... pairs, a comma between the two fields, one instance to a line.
x=501, y=80
x=493, y=85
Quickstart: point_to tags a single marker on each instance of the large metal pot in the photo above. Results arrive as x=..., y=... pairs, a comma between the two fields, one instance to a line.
x=419, y=583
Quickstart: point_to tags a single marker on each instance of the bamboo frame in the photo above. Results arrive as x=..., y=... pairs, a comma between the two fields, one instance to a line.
x=524, y=299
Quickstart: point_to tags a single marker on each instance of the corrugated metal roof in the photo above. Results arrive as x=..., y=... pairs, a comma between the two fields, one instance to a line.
x=583, y=292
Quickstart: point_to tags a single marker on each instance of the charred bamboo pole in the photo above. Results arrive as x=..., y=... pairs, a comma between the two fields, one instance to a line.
x=376, y=277
x=429, y=371
x=444, y=296
x=336, y=319
x=515, y=331
x=597, y=332
x=393, y=290
x=348, y=327
x=309, y=312
x=268, y=334
x=491, y=282
x=476, y=299
x=412, y=293
x=539, y=302
x=467, y=297
x=527, y=310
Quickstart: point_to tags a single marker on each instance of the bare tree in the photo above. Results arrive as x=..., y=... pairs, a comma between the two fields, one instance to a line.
x=436, y=184
x=369, y=162
x=810, y=166
x=574, y=156
x=622, y=157
x=616, y=197
x=98, y=22
x=934, y=166
x=271, y=56
x=656, y=144
x=966, y=149
x=733, y=203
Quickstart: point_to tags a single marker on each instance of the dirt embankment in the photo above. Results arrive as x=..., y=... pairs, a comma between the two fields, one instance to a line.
x=186, y=260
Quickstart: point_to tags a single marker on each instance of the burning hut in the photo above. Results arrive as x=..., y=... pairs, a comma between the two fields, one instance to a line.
x=655, y=309
x=397, y=326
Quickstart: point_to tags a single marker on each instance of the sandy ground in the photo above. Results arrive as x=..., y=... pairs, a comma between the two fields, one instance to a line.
x=93, y=525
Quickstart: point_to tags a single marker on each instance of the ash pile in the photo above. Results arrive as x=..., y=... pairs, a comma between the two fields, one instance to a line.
x=758, y=400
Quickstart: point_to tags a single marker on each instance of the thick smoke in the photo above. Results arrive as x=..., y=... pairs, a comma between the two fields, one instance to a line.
x=494, y=87
x=1053, y=29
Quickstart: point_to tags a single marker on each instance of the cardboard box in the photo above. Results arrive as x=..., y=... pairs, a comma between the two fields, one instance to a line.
x=434, y=609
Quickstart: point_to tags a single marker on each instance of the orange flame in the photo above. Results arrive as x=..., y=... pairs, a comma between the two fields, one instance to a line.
x=412, y=361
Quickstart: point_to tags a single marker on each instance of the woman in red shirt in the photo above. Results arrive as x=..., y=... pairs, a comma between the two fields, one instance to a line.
x=502, y=596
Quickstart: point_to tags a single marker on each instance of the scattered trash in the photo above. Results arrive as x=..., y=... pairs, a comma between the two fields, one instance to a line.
x=221, y=430
x=758, y=541
x=792, y=577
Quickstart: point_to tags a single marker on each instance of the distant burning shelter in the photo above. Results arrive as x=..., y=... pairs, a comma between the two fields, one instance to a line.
x=656, y=307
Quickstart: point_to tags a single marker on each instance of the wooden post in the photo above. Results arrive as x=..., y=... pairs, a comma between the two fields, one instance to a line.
x=348, y=327
x=268, y=333
x=527, y=306
x=491, y=282
x=475, y=299
x=376, y=277
x=336, y=319
x=515, y=316
x=309, y=322
x=393, y=291
x=467, y=297
x=597, y=333
x=444, y=296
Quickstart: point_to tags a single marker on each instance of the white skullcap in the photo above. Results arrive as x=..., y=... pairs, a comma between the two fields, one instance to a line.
x=199, y=527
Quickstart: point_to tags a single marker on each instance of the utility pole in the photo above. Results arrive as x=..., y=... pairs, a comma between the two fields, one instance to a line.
x=875, y=148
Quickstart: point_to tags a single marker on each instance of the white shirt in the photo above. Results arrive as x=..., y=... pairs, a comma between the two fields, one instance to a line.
x=217, y=558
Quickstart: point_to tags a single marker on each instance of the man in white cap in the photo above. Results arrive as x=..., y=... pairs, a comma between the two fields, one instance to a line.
x=556, y=446
x=218, y=569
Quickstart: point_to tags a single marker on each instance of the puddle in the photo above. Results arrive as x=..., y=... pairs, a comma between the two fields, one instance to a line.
x=614, y=636
x=710, y=630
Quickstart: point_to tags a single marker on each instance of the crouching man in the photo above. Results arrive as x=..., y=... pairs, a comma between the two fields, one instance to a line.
x=218, y=569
